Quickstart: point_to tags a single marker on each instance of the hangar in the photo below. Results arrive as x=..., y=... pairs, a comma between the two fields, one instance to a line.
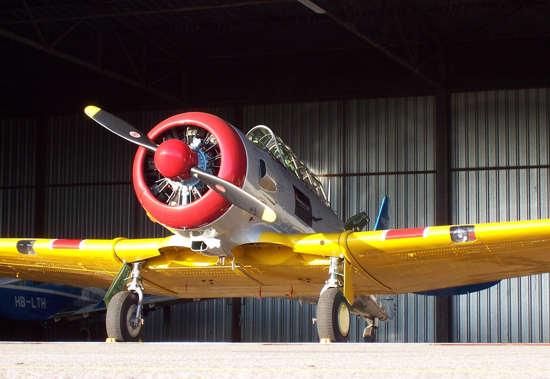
x=442, y=105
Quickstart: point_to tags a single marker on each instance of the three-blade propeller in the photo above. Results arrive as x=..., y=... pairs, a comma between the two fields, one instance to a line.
x=228, y=190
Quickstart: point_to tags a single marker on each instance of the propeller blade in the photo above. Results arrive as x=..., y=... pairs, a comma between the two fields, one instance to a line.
x=119, y=127
x=236, y=195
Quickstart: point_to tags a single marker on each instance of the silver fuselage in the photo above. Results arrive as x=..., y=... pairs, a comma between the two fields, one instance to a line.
x=298, y=208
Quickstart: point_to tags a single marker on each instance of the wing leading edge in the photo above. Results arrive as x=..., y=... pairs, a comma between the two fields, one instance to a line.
x=388, y=261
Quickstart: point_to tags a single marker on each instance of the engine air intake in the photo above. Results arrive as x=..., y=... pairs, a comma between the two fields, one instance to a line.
x=162, y=181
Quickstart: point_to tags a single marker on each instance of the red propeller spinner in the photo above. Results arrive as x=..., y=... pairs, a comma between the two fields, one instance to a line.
x=174, y=158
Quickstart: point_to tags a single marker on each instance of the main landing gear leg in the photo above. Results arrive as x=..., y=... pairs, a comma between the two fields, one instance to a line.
x=124, y=320
x=333, y=314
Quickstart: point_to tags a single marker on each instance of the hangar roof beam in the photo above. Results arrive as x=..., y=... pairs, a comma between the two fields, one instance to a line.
x=142, y=12
x=92, y=67
x=351, y=28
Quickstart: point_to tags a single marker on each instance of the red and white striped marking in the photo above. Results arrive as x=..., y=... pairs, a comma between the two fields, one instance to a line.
x=66, y=244
x=404, y=233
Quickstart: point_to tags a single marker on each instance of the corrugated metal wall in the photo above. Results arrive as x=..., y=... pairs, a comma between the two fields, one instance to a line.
x=500, y=168
x=206, y=320
x=277, y=320
x=366, y=148
x=17, y=176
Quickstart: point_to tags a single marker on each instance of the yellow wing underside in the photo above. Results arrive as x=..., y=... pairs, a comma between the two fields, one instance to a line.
x=395, y=261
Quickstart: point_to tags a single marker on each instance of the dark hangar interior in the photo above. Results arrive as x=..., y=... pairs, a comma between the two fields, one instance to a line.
x=139, y=54
x=458, y=87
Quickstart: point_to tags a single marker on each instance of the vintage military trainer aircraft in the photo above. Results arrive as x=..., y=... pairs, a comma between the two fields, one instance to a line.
x=250, y=219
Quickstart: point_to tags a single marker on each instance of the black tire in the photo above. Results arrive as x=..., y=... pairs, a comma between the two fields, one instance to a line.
x=333, y=318
x=120, y=311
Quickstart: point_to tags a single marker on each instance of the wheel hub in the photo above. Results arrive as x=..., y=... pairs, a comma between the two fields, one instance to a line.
x=343, y=319
x=134, y=323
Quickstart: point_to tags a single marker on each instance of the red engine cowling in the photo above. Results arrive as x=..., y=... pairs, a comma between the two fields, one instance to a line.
x=181, y=201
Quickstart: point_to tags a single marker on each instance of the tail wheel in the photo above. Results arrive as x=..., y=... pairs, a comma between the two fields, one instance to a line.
x=369, y=334
x=120, y=320
x=333, y=316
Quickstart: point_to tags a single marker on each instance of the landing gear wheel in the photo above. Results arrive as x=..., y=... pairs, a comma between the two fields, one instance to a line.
x=120, y=320
x=333, y=318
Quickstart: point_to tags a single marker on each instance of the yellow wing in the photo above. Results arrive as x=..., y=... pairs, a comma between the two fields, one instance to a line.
x=168, y=269
x=295, y=265
x=420, y=259
x=80, y=263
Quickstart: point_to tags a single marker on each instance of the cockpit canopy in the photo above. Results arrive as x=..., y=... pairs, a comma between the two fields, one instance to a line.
x=265, y=139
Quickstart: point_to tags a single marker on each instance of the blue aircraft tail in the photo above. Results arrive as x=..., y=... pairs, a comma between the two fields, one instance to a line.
x=383, y=219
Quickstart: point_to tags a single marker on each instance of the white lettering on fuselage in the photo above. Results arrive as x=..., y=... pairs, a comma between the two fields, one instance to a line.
x=33, y=302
